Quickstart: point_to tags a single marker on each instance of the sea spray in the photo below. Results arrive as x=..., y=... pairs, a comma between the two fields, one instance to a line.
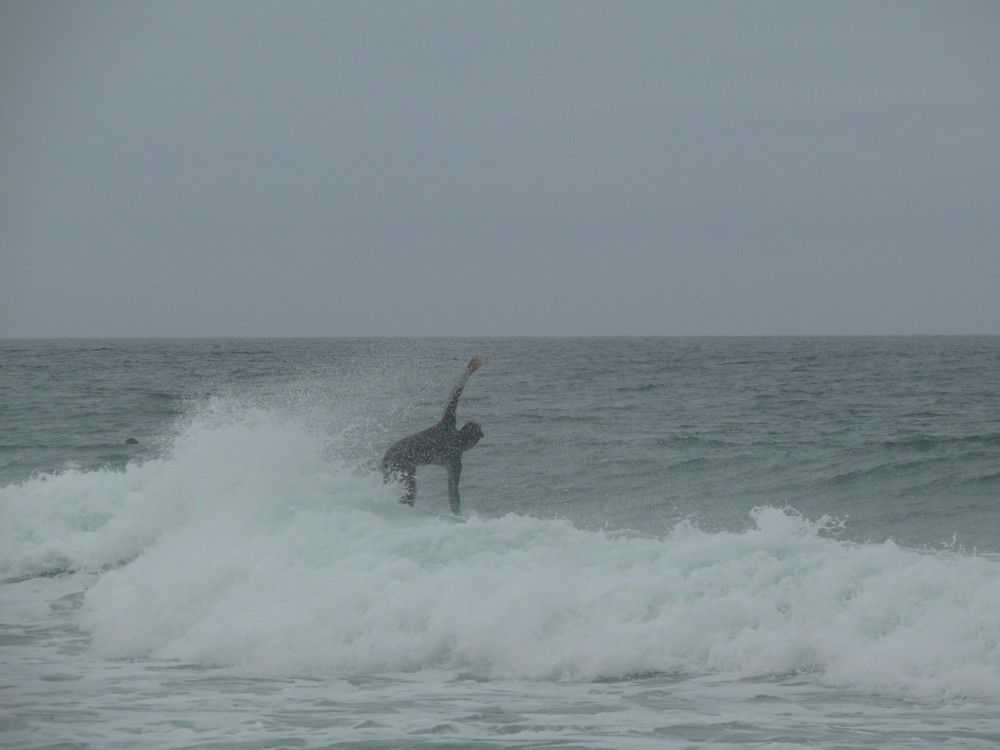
x=225, y=461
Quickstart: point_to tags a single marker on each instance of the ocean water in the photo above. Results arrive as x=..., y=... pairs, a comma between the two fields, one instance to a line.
x=665, y=543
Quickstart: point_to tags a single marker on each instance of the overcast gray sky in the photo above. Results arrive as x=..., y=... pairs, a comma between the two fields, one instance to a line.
x=498, y=168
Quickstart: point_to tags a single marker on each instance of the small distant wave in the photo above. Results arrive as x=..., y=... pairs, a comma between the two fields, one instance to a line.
x=640, y=388
x=163, y=396
x=691, y=441
x=931, y=442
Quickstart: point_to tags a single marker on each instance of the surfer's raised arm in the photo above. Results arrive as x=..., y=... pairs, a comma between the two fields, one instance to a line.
x=449, y=410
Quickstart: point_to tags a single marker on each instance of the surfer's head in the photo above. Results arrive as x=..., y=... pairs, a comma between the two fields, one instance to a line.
x=470, y=434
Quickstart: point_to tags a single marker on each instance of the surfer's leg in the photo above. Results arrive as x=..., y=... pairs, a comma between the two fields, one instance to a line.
x=410, y=484
x=407, y=475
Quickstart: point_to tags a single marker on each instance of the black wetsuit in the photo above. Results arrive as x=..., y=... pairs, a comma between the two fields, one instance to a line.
x=441, y=444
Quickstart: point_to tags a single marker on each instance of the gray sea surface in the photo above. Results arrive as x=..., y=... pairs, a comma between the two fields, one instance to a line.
x=665, y=542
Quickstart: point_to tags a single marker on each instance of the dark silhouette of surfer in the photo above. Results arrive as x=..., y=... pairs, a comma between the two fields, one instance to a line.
x=441, y=444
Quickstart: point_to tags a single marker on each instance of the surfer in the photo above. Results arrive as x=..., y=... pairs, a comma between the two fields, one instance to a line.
x=441, y=444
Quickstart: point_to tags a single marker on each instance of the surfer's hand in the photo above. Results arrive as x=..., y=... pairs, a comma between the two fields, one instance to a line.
x=474, y=364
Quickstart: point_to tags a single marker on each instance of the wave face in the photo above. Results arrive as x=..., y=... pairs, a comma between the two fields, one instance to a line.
x=244, y=545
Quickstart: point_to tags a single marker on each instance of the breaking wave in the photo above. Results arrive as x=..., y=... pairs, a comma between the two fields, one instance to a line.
x=246, y=545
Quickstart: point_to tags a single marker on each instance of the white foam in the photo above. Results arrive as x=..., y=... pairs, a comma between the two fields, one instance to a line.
x=246, y=546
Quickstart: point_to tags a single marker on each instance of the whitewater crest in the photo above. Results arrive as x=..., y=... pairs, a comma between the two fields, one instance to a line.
x=246, y=545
